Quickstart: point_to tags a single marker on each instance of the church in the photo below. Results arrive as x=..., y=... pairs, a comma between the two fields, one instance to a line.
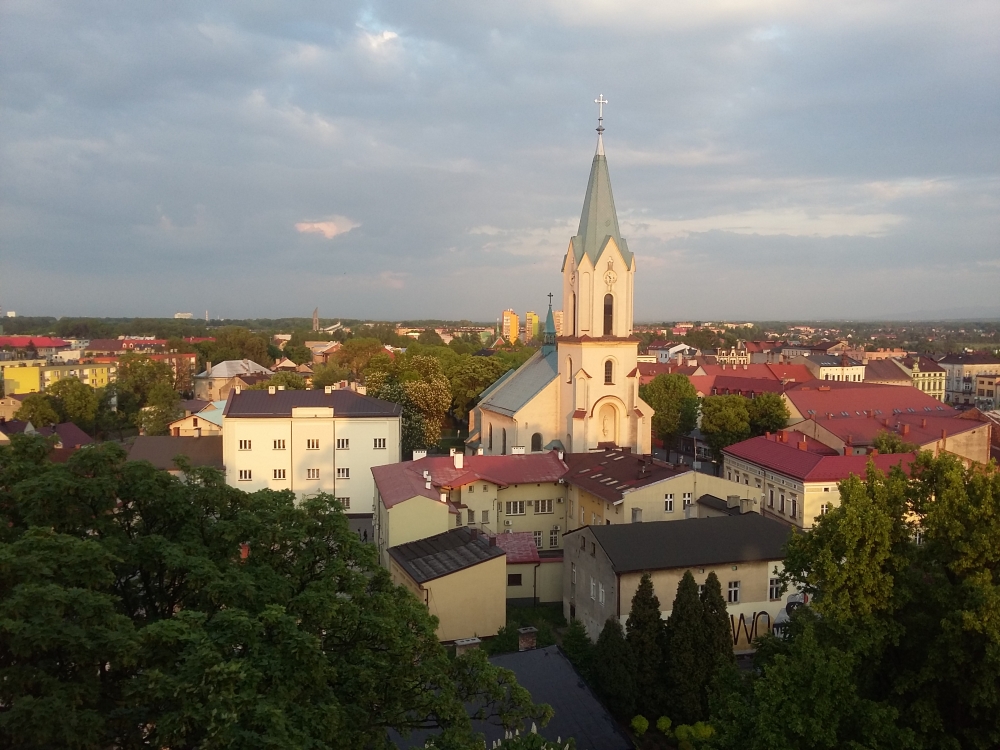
x=580, y=391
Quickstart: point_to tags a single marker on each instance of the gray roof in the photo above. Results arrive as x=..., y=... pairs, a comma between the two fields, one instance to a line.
x=549, y=677
x=162, y=450
x=280, y=404
x=717, y=503
x=442, y=554
x=693, y=542
x=832, y=360
x=599, y=220
x=233, y=367
x=525, y=383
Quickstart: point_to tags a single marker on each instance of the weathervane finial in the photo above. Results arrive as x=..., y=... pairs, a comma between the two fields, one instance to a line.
x=600, y=101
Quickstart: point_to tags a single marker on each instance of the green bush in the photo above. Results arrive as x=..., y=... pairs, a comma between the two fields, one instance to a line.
x=503, y=642
x=702, y=731
x=639, y=725
x=684, y=733
x=663, y=724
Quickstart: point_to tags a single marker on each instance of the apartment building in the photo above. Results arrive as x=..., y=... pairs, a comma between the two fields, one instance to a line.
x=926, y=375
x=604, y=564
x=510, y=326
x=33, y=376
x=960, y=375
x=836, y=367
x=310, y=442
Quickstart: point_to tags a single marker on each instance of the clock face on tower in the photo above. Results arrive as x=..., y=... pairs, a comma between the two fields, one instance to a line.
x=610, y=278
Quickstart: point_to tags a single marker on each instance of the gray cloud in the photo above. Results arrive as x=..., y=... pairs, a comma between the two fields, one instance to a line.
x=769, y=160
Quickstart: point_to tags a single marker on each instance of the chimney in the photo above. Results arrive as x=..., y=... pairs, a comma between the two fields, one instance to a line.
x=493, y=541
x=560, y=454
x=419, y=453
x=327, y=389
x=923, y=422
x=873, y=452
x=474, y=531
x=463, y=645
x=208, y=367
x=517, y=450
x=427, y=483
x=905, y=430
x=802, y=445
x=527, y=638
x=271, y=390
x=783, y=436
x=239, y=390
x=459, y=459
x=281, y=387
x=451, y=451
x=444, y=497
x=767, y=435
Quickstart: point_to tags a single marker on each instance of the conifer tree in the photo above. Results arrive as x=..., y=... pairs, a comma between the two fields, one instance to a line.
x=613, y=670
x=645, y=637
x=718, y=632
x=685, y=673
x=578, y=647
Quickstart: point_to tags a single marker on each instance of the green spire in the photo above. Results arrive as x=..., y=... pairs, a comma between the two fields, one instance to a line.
x=599, y=219
x=549, y=337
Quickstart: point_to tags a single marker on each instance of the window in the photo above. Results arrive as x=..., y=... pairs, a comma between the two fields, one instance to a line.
x=244, y=445
x=458, y=519
x=583, y=517
x=379, y=444
x=279, y=473
x=485, y=515
x=729, y=476
x=537, y=536
x=486, y=488
x=774, y=589
x=543, y=506
x=554, y=538
x=569, y=369
x=593, y=589
x=343, y=444
x=668, y=502
x=734, y=592
x=593, y=521
x=826, y=489
x=194, y=420
x=471, y=489
x=600, y=593
x=636, y=515
x=781, y=502
x=824, y=509
x=515, y=508
x=701, y=590
x=343, y=472
x=490, y=439
x=572, y=572
x=687, y=499
x=536, y=442
x=279, y=445
x=246, y=475
x=795, y=507
x=312, y=444
x=583, y=542
x=513, y=579
x=770, y=497
x=609, y=315
x=312, y=473
x=593, y=549
x=345, y=502
x=471, y=515
x=609, y=372
x=503, y=441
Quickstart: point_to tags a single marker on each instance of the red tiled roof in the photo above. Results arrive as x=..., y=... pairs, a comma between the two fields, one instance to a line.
x=885, y=369
x=610, y=474
x=787, y=459
x=743, y=371
x=649, y=370
x=519, y=546
x=399, y=482
x=819, y=398
x=40, y=342
x=791, y=373
x=105, y=345
x=920, y=428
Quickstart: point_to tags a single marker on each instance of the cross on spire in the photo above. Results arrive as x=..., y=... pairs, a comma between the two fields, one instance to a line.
x=600, y=101
x=550, y=300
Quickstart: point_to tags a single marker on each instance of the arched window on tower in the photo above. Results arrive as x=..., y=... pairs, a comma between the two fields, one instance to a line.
x=536, y=442
x=569, y=369
x=609, y=372
x=609, y=314
x=490, y=440
x=503, y=442
x=572, y=313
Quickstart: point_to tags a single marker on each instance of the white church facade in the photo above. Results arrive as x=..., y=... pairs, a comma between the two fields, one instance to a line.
x=580, y=391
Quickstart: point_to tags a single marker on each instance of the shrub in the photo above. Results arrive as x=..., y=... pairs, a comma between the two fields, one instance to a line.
x=663, y=724
x=639, y=725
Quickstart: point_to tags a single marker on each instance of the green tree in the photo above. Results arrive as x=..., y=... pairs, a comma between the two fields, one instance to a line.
x=162, y=408
x=900, y=646
x=717, y=652
x=76, y=402
x=613, y=670
x=235, y=342
x=39, y=409
x=675, y=405
x=288, y=380
x=685, y=662
x=138, y=377
x=416, y=382
x=137, y=610
x=891, y=442
x=701, y=338
x=644, y=630
x=768, y=413
x=355, y=354
x=430, y=337
x=298, y=353
x=329, y=374
x=470, y=377
x=578, y=647
x=725, y=420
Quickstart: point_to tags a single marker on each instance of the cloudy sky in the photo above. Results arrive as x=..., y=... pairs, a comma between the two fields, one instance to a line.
x=770, y=159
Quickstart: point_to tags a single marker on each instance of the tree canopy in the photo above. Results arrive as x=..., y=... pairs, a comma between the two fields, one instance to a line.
x=675, y=405
x=75, y=401
x=768, y=413
x=725, y=420
x=39, y=409
x=141, y=611
x=645, y=635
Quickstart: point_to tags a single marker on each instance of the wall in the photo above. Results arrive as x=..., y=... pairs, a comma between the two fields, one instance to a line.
x=531, y=520
x=585, y=561
x=650, y=499
x=413, y=519
x=471, y=602
x=19, y=380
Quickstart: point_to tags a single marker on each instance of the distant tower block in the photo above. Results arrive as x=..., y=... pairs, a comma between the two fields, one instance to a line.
x=316, y=319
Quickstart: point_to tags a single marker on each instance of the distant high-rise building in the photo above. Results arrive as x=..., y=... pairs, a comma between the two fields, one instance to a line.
x=316, y=319
x=532, y=326
x=183, y=316
x=510, y=326
x=557, y=316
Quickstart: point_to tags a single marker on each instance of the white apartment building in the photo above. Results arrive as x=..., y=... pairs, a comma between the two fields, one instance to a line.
x=310, y=442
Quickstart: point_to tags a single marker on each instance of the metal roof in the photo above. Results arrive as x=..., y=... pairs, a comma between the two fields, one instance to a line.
x=280, y=404
x=233, y=367
x=598, y=220
x=524, y=384
x=443, y=554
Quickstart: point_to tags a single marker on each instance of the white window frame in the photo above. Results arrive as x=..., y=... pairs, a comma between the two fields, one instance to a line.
x=600, y=593
x=245, y=445
x=279, y=474
x=687, y=499
x=345, y=501
x=514, y=508
x=246, y=475
x=543, y=506
x=343, y=444
x=312, y=444
x=553, y=539
x=279, y=445
x=343, y=472
x=668, y=502
x=485, y=516
x=593, y=588
x=378, y=444
x=733, y=595
x=312, y=473
x=774, y=589
x=536, y=535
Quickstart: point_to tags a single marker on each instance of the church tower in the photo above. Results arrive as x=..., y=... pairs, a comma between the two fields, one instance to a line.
x=597, y=353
